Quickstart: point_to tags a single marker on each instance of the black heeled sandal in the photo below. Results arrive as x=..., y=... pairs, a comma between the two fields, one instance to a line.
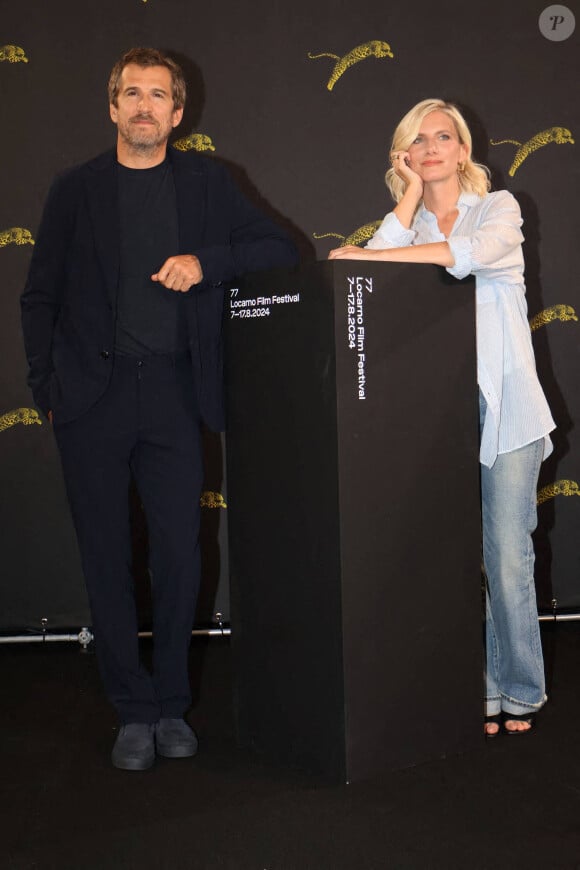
x=530, y=718
x=495, y=719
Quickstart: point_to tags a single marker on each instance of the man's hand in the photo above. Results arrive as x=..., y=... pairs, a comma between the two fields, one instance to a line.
x=179, y=273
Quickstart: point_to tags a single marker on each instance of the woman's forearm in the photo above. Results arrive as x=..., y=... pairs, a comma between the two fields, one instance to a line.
x=436, y=253
x=406, y=208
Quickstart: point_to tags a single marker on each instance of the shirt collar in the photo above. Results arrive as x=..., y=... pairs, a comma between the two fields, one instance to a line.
x=468, y=199
x=465, y=201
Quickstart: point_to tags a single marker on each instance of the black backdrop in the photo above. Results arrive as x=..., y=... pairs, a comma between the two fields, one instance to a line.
x=312, y=149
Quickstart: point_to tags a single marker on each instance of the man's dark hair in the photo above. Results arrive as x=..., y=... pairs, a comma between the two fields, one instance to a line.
x=145, y=57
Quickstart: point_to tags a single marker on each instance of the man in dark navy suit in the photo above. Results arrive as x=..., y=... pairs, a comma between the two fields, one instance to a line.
x=122, y=318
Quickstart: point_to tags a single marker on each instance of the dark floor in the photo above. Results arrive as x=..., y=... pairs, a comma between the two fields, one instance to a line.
x=513, y=803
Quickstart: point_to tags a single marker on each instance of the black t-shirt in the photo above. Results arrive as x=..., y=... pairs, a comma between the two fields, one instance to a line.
x=150, y=318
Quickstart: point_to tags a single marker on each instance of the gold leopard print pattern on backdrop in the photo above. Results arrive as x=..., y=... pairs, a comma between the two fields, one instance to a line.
x=12, y=54
x=374, y=48
x=358, y=237
x=26, y=416
x=555, y=135
x=194, y=142
x=559, y=487
x=211, y=499
x=15, y=236
x=555, y=312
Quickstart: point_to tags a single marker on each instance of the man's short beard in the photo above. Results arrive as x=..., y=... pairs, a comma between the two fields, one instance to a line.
x=141, y=141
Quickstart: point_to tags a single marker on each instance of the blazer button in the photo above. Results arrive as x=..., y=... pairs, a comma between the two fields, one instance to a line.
x=104, y=354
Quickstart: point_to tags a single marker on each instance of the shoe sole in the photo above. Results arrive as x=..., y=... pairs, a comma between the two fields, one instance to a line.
x=134, y=763
x=176, y=751
x=491, y=736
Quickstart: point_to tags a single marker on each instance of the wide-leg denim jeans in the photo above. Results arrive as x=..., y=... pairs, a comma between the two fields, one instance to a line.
x=514, y=677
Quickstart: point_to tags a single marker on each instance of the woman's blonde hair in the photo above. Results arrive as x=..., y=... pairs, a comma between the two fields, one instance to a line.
x=473, y=178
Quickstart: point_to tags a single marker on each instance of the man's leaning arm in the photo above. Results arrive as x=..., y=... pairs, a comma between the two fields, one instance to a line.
x=256, y=242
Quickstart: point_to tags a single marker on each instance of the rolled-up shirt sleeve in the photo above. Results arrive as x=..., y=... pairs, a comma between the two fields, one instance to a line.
x=391, y=234
x=497, y=237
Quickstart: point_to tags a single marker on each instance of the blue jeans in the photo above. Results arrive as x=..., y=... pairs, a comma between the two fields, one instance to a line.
x=514, y=675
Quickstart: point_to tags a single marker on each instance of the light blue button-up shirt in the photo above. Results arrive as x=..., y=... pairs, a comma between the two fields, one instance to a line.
x=486, y=241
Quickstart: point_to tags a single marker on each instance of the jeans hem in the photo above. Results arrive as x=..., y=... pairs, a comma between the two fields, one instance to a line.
x=505, y=703
x=492, y=705
x=511, y=705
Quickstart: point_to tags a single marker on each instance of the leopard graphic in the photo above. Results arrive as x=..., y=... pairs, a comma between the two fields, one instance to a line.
x=12, y=54
x=559, y=487
x=26, y=416
x=556, y=312
x=375, y=48
x=194, y=142
x=211, y=499
x=557, y=135
x=358, y=237
x=15, y=236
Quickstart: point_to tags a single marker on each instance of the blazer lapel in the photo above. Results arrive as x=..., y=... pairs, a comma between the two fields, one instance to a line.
x=190, y=191
x=103, y=202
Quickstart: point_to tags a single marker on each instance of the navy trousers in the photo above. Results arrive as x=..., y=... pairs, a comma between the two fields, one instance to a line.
x=146, y=424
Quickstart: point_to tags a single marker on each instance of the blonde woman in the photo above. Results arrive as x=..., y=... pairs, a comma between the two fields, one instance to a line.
x=445, y=215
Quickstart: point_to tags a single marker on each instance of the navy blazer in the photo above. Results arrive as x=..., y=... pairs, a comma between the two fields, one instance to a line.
x=68, y=303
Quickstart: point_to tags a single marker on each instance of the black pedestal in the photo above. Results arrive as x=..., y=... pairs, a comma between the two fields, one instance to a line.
x=353, y=493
